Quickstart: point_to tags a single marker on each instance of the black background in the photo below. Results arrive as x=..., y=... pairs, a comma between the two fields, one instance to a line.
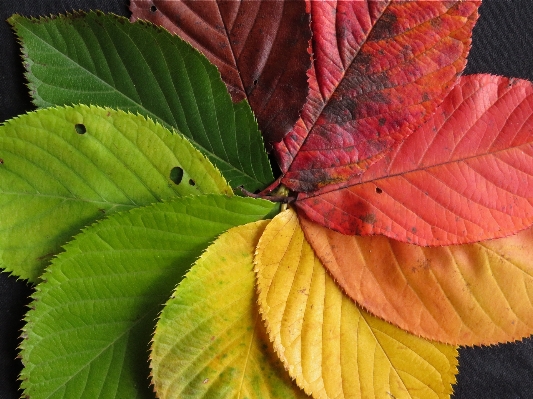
x=502, y=44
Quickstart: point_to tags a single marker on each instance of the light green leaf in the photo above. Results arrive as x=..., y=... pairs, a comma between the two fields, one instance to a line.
x=105, y=60
x=88, y=333
x=64, y=168
x=210, y=341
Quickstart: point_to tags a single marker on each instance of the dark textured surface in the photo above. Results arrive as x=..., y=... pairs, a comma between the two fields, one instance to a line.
x=503, y=44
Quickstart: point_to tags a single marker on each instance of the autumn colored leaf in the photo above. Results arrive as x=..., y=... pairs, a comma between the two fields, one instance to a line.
x=260, y=48
x=329, y=345
x=88, y=330
x=463, y=177
x=209, y=340
x=380, y=69
x=467, y=294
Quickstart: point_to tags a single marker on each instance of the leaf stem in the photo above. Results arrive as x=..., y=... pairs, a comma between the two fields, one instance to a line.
x=281, y=194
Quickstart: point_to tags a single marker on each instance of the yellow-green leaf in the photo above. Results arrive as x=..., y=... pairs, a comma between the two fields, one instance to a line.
x=64, y=168
x=330, y=346
x=209, y=341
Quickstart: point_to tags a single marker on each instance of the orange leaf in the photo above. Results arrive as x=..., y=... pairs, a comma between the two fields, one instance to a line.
x=465, y=294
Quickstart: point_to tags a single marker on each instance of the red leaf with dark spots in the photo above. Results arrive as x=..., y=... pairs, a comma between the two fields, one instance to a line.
x=380, y=69
x=465, y=176
x=260, y=48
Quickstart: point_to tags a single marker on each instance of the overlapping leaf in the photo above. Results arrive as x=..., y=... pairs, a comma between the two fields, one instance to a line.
x=463, y=177
x=466, y=294
x=209, y=340
x=88, y=332
x=105, y=60
x=331, y=347
x=380, y=69
x=64, y=168
x=259, y=47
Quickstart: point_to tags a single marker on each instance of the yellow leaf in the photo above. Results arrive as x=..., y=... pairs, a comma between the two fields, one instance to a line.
x=330, y=346
x=462, y=294
x=209, y=340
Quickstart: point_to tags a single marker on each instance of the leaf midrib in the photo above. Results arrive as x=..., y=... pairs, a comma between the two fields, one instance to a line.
x=111, y=343
x=420, y=169
x=339, y=82
x=64, y=198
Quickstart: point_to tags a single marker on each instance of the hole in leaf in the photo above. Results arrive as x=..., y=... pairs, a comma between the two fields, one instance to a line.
x=379, y=190
x=153, y=9
x=80, y=128
x=192, y=182
x=176, y=174
x=255, y=82
x=1, y=161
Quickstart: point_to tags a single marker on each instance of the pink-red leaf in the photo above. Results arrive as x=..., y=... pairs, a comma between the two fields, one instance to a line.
x=260, y=48
x=465, y=176
x=380, y=69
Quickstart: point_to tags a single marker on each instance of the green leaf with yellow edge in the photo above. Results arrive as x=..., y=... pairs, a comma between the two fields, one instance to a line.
x=330, y=346
x=63, y=168
x=468, y=294
x=88, y=333
x=209, y=341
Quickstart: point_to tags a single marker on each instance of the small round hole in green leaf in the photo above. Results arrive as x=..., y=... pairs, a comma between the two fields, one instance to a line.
x=80, y=128
x=192, y=182
x=176, y=174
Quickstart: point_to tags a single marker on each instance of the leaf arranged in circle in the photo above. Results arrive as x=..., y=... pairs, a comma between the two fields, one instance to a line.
x=209, y=340
x=104, y=60
x=469, y=294
x=64, y=168
x=260, y=48
x=93, y=315
x=328, y=344
x=464, y=176
x=380, y=68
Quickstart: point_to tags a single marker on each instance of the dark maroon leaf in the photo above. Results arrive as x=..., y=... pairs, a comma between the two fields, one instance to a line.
x=260, y=48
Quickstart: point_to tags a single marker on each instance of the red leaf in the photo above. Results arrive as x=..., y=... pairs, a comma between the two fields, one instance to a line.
x=465, y=176
x=260, y=48
x=380, y=69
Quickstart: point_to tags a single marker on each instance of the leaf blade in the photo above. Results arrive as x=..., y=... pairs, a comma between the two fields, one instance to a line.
x=96, y=308
x=331, y=347
x=209, y=338
x=259, y=47
x=366, y=93
x=104, y=60
x=54, y=180
x=471, y=294
x=462, y=177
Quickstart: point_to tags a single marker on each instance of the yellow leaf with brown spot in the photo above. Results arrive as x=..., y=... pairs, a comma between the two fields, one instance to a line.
x=329, y=345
